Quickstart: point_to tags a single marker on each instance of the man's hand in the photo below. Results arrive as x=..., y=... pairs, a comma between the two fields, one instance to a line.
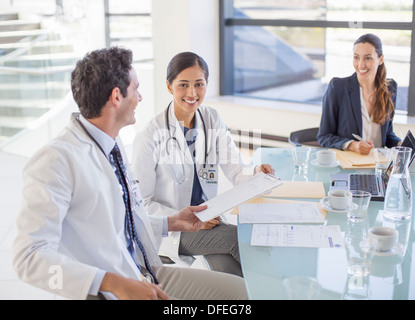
x=131, y=289
x=186, y=220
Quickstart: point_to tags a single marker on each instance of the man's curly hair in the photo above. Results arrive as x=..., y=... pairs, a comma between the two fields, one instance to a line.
x=96, y=75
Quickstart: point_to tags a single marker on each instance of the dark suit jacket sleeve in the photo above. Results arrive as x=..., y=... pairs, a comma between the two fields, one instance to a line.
x=337, y=121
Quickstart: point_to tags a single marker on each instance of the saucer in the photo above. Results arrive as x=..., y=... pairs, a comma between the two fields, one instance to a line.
x=331, y=165
x=392, y=252
x=326, y=206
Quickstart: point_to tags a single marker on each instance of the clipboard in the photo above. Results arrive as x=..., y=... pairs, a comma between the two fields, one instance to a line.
x=246, y=191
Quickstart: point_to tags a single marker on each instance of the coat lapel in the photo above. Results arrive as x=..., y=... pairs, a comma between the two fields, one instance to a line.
x=354, y=94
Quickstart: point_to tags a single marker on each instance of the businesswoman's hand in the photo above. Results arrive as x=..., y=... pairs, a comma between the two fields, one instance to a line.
x=265, y=168
x=211, y=224
x=362, y=147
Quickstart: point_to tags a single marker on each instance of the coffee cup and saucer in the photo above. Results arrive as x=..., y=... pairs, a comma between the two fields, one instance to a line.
x=325, y=159
x=337, y=201
x=387, y=241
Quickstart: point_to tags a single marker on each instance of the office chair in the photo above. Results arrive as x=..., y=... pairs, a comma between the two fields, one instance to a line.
x=305, y=136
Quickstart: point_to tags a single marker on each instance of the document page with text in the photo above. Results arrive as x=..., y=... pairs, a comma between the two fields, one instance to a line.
x=252, y=188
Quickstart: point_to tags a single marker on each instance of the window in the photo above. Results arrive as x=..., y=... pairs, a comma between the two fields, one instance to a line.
x=274, y=49
x=128, y=24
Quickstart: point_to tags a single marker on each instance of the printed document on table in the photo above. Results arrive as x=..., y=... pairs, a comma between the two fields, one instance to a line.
x=243, y=192
x=296, y=212
x=277, y=235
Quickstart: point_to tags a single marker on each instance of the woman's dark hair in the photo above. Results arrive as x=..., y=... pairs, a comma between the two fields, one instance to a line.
x=96, y=75
x=182, y=61
x=384, y=106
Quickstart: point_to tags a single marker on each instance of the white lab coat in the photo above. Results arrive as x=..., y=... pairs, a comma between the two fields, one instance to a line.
x=71, y=221
x=162, y=193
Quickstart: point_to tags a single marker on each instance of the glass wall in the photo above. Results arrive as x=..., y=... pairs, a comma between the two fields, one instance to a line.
x=40, y=42
x=290, y=50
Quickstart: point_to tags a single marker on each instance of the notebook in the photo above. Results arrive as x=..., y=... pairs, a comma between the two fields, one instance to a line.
x=375, y=183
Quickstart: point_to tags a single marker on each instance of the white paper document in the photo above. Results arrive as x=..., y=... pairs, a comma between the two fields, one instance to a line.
x=252, y=188
x=296, y=212
x=278, y=235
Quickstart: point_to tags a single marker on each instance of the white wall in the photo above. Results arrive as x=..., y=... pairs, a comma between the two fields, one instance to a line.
x=184, y=25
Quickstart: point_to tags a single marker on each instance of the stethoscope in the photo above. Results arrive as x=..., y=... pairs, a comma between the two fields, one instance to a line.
x=133, y=200
x=201, y=173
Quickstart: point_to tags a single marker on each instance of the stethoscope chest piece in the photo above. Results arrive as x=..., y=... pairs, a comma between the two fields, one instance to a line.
x=203, y=173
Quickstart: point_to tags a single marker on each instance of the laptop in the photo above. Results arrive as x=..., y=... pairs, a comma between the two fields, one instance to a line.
x=375, y=183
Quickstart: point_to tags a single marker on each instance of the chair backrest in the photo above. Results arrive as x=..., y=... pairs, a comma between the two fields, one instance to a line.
x=305, y=136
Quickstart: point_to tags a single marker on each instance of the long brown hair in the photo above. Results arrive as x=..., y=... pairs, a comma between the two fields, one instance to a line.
x=384, y=106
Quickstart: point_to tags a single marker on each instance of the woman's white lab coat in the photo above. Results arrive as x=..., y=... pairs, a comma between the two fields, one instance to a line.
x=164, y=188
x=71, y=221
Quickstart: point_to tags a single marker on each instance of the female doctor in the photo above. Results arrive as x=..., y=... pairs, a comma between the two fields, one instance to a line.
x=178, y=155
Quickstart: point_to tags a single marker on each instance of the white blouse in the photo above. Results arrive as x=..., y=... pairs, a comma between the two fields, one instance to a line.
x=371, y=130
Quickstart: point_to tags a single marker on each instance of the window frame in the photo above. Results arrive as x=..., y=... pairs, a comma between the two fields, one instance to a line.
x=108, y=15
x=228, y=22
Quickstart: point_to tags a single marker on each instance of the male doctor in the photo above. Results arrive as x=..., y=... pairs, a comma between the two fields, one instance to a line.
x=82, y=230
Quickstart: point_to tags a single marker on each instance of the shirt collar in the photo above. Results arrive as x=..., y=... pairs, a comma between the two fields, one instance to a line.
x=105, y=141
x=190, y=137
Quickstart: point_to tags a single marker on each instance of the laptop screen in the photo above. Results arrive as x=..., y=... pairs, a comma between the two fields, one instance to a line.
x=409, y=141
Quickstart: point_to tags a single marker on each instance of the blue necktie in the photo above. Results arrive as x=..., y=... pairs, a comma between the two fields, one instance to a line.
x=131, y=233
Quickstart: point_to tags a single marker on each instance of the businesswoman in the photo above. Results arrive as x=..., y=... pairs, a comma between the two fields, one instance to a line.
x=178, y=154
x=361, y=104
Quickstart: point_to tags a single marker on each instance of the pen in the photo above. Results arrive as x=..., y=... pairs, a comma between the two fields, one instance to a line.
x=358, y=137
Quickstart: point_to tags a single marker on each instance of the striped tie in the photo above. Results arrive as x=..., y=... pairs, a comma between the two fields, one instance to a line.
x=131, y=233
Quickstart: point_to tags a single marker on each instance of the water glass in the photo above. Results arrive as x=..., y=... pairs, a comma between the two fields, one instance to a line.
x=301, y=156
x=359, y=252
x=357, y=288
x=301, y=288
x=357, y=208
x=383, y=157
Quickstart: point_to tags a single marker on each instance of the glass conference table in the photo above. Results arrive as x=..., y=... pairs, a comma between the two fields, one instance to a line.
x=265, y=268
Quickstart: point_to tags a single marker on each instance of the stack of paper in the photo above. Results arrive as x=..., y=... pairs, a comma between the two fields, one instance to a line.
x=277, y=235
x=273, y=224
x=294, y=212
x=298, y=189
x=354, y=160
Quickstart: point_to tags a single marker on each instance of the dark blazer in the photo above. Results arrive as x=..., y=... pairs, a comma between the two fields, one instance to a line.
x=341, y=115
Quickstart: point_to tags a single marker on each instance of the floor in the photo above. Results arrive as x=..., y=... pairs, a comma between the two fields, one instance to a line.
x=11, y=288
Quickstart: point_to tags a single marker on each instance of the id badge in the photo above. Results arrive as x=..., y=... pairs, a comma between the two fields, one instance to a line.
x=133, y=185
x=209, y=174
x=136, y=190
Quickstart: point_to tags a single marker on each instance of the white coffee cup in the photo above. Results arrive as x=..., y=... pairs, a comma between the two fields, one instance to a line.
x=386, y=237
x=339, y=199
x=326, y=157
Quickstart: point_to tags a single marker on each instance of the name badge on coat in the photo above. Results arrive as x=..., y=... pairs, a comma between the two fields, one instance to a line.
x=209, y=175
